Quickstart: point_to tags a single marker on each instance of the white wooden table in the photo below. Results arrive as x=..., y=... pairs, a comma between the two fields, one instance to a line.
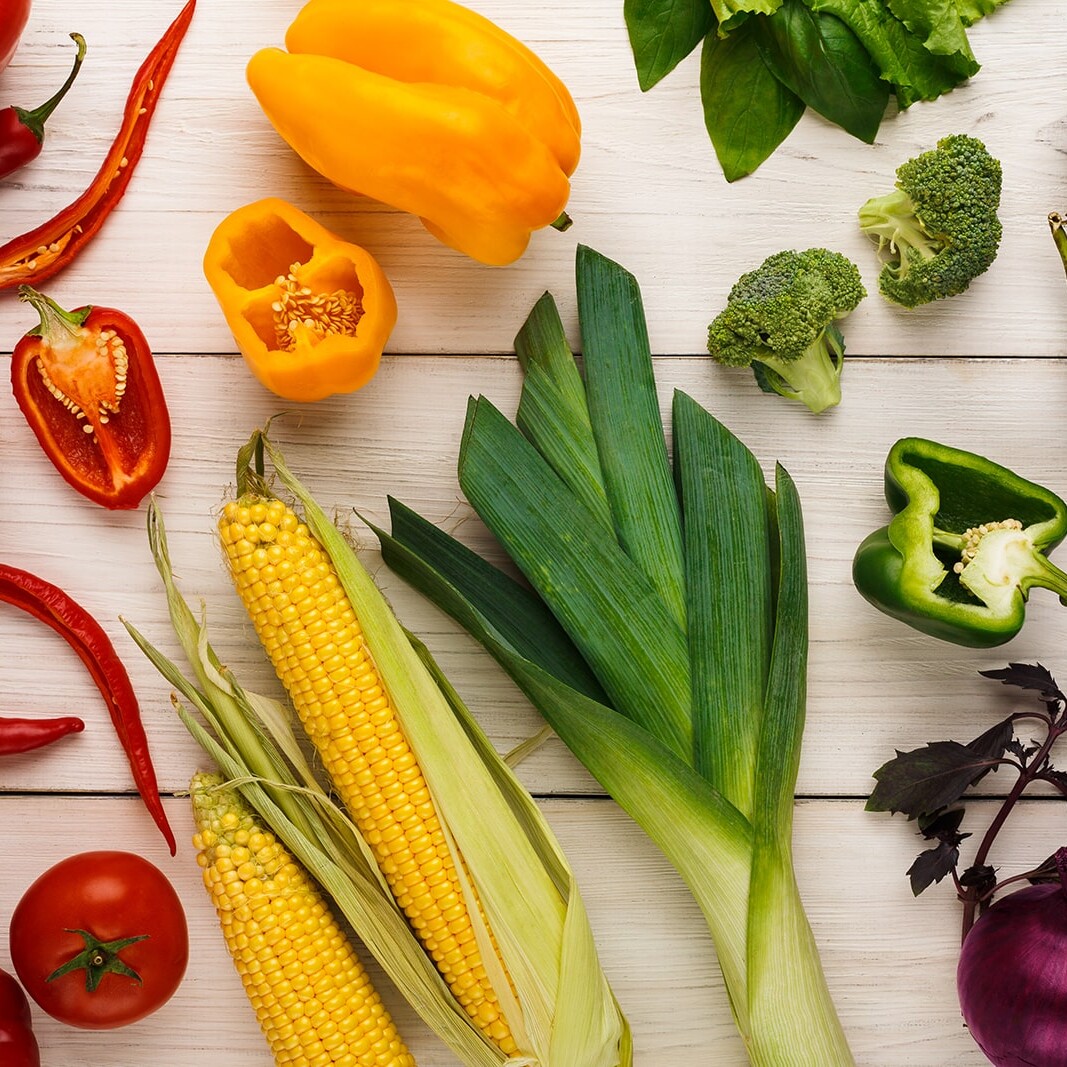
x=984, y=371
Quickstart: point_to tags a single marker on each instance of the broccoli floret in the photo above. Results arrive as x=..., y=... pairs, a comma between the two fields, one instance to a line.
x=939, y=227
x=779, y=320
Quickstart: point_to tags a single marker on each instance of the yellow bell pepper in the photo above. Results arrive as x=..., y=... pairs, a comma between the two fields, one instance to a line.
x=310, y=312
x=428, y=107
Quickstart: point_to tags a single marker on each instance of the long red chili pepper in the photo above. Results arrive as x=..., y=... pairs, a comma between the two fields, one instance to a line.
x=85, y=635
x=51, y=246
x=23, y=735
x=22, y=130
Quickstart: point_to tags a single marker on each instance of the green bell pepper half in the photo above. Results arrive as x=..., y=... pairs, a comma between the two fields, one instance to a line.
x=966, y=544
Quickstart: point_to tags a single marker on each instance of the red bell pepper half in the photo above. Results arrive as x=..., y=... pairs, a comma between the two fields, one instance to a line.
x=88, y=386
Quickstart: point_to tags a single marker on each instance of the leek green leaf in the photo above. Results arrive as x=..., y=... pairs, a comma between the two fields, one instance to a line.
x=606, y=604
x=552, y=407
x=625, y=415
x=565, y=440
x=517, y=612
x=727, y=546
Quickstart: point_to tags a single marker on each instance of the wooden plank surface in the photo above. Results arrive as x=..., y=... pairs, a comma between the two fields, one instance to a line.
x=982, y=372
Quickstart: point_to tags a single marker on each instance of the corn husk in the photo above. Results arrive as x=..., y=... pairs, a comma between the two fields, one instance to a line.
x=562, y=1011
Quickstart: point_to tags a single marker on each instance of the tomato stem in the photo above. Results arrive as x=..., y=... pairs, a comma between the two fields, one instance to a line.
x=97, y=959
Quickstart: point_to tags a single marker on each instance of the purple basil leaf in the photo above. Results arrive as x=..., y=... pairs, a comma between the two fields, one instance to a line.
x=992, y=745
x=942, y=824
x=981, y=877
x=1057, y=778
x=932, y=865
x=1028, y=676
x=926, y=779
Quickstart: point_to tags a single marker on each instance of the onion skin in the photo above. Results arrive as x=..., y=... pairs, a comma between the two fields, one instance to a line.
x=1012, y=977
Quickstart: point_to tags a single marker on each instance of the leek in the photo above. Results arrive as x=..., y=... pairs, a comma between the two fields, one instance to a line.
x=687, y=604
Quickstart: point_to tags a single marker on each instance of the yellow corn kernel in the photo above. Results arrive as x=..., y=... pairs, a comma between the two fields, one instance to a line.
x=311, y=634
x=312, y=997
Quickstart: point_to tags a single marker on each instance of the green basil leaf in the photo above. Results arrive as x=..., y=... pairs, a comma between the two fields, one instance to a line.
x=748, y=112
x=663, y=32
x=818, y=57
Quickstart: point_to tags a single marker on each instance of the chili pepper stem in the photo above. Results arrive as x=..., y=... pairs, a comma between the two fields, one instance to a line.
x=35, y=119
x=55, y=322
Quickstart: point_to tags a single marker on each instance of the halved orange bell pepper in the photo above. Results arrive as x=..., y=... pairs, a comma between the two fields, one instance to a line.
x=310, y=312
x=428, y=107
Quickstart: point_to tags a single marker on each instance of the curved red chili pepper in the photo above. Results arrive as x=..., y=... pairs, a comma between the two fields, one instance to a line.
x=51, y=246
x=85, y=635
x=18, y=1046
x=22, y=131
x=24, y=735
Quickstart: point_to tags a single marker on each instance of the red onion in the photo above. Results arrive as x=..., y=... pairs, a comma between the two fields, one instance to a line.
x=1012, y=976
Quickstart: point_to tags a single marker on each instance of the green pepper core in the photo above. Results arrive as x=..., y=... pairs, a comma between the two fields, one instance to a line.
x=967, y=542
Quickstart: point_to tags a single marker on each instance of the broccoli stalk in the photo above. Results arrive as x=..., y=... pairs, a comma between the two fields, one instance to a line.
x=779, y=320
x=891, y=220
x=814, y=378
x=938, y=229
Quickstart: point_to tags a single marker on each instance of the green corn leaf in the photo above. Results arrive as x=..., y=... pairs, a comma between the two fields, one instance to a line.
x=727, y=546
x=624, y=411
x=601, y=598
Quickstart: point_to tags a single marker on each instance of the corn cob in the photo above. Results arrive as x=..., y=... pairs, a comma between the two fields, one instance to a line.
x=312, y=635
x=312, y=997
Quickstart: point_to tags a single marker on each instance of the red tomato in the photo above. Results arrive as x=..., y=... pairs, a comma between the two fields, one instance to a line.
x=13, y=16
x=114, y=927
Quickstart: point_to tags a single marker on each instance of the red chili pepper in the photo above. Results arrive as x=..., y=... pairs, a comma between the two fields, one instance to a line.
x=18, y=1046
x=85, y=635
x=23, y=735
x=22, y=131
x=88, y=386
x=51, y=246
